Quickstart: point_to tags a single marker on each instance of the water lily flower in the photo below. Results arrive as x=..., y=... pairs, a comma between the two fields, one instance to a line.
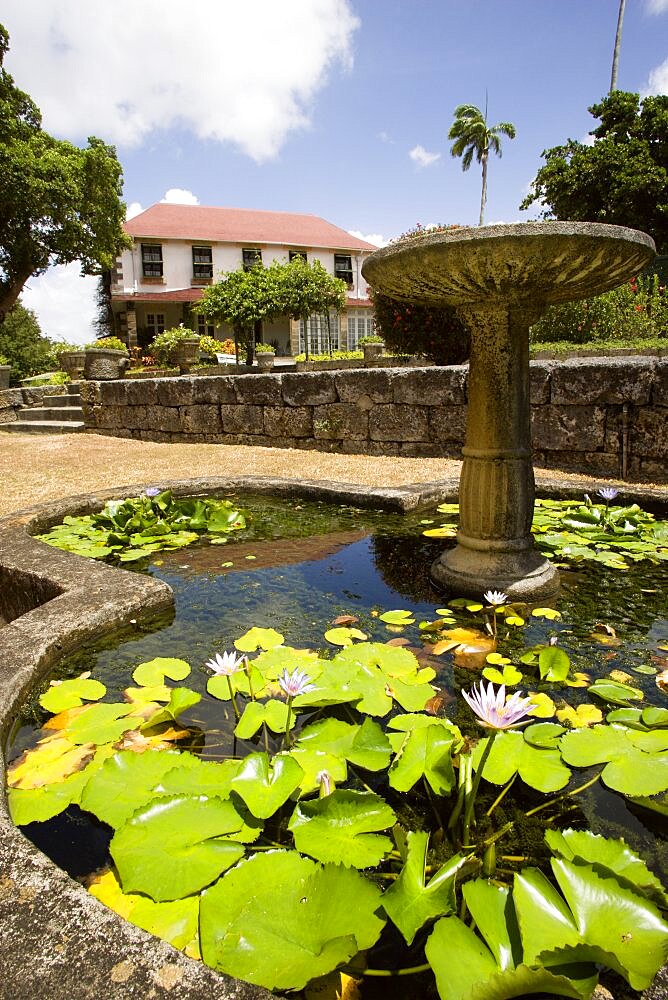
x=608, y=493
x=492, y=709
x=152, y=491
x=495, y=597
x=296, y=683
x=225, y=665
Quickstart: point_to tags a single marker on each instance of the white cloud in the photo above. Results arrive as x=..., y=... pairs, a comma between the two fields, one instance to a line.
x=179, y=196
x=241, y=73
x=134, y=208
x=375, y=238
x=658, y=79
x=422, y=158
x=657, y=6
x=64, y=302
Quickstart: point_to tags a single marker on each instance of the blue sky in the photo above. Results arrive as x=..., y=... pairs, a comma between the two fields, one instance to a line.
x=339, y=108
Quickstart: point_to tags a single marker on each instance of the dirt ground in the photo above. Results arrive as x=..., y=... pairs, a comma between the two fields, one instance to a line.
x=37, y=468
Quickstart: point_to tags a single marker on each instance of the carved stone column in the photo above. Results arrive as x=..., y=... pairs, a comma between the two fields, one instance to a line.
x=495, y=547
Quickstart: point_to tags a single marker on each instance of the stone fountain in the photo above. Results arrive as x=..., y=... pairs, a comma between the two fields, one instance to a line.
x=501, y=279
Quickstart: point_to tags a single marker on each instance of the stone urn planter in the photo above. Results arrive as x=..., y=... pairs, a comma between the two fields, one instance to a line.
x=185, y=353
x=104, y=363
x=72, y=362
x=265, y=360
x=5, y=371
x=372, y=352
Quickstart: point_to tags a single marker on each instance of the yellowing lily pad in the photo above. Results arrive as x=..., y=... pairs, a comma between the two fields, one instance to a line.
x=344, y=636
x=259, y=638
x=543, y=706
x=153, y=672
x=70, y=694
x=398, y=618
x=53, y=759
x=549, y=613
x=509, y=675
x=583, y=715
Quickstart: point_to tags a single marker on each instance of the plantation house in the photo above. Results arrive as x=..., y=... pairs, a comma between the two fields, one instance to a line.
x=179, y=249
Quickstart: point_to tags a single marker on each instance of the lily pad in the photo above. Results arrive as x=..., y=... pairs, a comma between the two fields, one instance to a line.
x=154, y=672
x=327, y=915
x=342, y=828
x=538, y=767
x=265, y=785
x=69, y=694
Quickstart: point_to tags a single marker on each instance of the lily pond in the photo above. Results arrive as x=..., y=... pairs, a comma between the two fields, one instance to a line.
x=322, y=776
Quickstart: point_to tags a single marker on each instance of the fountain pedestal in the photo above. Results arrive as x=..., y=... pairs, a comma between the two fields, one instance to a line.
x=501, y=279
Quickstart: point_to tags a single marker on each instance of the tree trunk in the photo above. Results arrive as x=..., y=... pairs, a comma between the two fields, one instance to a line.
x=9, y=294
x=483, y=197
x=618, y=45
x=306, y=337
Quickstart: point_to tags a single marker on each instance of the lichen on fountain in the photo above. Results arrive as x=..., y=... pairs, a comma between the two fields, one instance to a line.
x=501, y=279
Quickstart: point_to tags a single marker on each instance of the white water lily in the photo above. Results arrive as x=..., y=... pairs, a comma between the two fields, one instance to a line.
x=226, y=664
x=495, y=597
x=492, y=709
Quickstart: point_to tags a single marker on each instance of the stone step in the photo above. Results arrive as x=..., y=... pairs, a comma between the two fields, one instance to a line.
x=66, y=399
x=60, y=413
x=43, y=426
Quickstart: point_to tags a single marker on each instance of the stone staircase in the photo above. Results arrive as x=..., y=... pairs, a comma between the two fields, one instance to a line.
x=61, y=414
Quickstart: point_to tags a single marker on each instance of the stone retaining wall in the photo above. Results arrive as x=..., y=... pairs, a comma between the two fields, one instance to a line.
x=607, y=417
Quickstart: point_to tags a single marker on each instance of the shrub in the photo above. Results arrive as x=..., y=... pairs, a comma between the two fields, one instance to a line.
x=264, y=348
x=164, y=345
x=209, y=345
x=407, y=328
x=636, y=310
x=108, y=344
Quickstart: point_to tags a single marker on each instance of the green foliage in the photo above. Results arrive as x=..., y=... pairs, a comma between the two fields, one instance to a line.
x=60, y=203
x=264, y=348
x=164, y=345
x=474, y=137
x=23, y=346
x=109, y=344
x=334, y=356
x=373, y=338
x=634, y=312
x=410, y=328
x=134, y=528
x=622, y=178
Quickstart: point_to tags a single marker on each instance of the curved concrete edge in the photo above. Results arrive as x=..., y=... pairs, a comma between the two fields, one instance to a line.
x=56, y=940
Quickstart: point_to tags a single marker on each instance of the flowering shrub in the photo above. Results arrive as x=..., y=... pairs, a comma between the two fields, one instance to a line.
x=435, y=333
x=209, y=345
x=109, y=344
x=164, y=345
x=636, y=310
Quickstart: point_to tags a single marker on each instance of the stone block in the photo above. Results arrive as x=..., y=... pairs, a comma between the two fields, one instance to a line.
x=308, y=389
x=398, y=422
x=90, y=392
x=447, y=423
x=374, y=383
x=204, y=419
x=660, y=383
x=417, y=449
x=175, y=391
x=540, y=375
x=216, y=390
x=649, y=433
x=340, y=422
x=653, y=472
x=242, y=419
x=589, y=381
x=7, y=414
x=593, y=463
x=431, y=386
x=258, y=390
x=112, y=393
x=163, y=418
x=135, y=417
x=564, y=428
x=10, y=398
x=142, y=392
x=288, y=421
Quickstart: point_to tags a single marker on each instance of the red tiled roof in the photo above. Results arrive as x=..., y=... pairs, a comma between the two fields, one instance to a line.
x=360, y=302
x=241, y=225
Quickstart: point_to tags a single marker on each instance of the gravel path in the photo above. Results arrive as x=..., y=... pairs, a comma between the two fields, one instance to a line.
x=37, y=468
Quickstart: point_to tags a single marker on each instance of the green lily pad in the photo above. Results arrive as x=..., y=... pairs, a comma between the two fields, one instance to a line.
x=69, y=694
x=154, y=672
x=258, y=638
x=180, y=700
x=272, y=713
x=508, y=675
x=265, y=786
x=176, y=845
x=397, y=618
x=342, y=828
x=344, y=636
x=327, y=914
x=411, y=901
x=424, y=753
x=366, y=746
x=635, y=762
x=538, y=767
x=614, y=692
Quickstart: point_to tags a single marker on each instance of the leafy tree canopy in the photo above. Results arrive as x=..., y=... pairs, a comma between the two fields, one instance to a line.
x=22, y=344
x=60, y=203
x=622, y=179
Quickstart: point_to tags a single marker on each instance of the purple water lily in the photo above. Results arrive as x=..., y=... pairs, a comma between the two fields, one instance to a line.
x=492, y=709
x=608, y=493
x=295, y=683
x=152, y=491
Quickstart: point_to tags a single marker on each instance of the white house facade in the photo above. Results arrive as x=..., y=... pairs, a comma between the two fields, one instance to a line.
x=180, y=249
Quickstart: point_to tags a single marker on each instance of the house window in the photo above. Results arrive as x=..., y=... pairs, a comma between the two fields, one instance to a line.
x=205, y=329
x=294, y=254
x=343, y=267
x=322, y=335
x=202, y=263
x=250, y=258
x=155, y=324
x=151, y=260
x=360, y=324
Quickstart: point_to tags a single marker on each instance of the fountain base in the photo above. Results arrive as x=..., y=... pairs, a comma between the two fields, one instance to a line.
x=520, y=572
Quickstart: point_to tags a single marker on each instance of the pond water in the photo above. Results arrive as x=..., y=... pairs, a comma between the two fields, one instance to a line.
x=299, y=566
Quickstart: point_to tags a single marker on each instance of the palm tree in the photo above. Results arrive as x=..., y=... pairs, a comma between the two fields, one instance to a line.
x=618, y=44
x=472, y=137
